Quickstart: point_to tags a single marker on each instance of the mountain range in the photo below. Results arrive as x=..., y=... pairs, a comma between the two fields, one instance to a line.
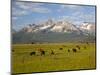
x=55, y=31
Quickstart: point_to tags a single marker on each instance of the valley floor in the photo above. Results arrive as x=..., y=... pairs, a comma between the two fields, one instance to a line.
x=30, y=58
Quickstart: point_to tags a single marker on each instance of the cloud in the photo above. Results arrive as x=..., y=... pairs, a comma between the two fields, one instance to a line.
x=18, y=12
x=41, y=10
x=80, y=13
x=88, y=17
x=27, y=5
x=79, y=17
x=71, y=8
x=22, y=5
x=24, y=8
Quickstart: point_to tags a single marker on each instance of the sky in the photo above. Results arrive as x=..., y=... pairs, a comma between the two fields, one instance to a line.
x=25, y=13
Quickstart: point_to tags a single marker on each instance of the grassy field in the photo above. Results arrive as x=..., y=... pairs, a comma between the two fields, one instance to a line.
x=62, y=59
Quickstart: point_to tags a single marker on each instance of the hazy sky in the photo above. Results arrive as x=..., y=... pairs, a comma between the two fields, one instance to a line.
x=24, y=13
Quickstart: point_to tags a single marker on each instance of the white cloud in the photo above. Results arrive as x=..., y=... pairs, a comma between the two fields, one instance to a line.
x=32, y=7
x=88, y=18
x=79, y=17
x=22, y=5
x=27, y=5
x=18, y=12
x=41, y=10
x=70, y=8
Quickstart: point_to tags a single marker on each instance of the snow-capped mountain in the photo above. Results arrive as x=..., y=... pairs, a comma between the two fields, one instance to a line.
x=61, y=26
x=52, y=26
x=55, y=31
x=87, y=28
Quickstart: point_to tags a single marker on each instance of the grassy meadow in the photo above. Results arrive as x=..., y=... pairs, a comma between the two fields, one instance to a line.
x=64, y=58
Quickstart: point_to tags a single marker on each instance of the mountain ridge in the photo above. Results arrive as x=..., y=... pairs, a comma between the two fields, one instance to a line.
x=59, y=31
x=59, y=26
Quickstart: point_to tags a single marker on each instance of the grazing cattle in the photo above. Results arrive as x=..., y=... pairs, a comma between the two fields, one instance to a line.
x=52, y=52
x=32, y=53
x=68, y=50
x=42, y=52
x=78, y=47
x=61, y=48
x=74, y=50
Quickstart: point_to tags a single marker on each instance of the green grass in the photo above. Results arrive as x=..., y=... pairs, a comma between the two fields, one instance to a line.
x=22, y=62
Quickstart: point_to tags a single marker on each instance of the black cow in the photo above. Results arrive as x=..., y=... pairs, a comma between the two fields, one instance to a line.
x=61, y=48
x=42, y=52
x=68, y=50
x=32, y=53
x=74, y=50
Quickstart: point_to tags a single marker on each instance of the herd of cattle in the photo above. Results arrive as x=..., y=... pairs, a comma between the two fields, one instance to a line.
x=52, y=52
x=43, y=52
